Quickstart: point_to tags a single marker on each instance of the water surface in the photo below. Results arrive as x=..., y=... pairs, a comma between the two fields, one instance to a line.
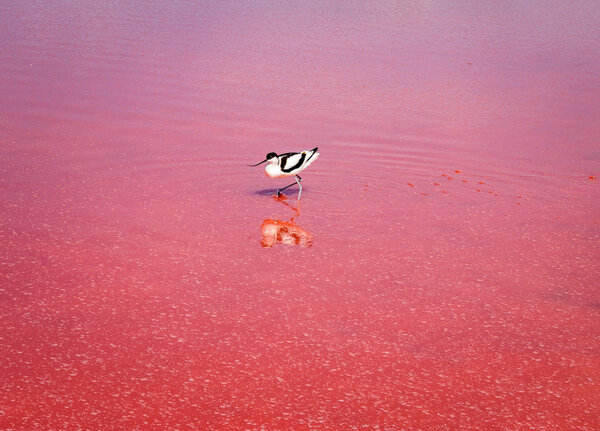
x=440, y=271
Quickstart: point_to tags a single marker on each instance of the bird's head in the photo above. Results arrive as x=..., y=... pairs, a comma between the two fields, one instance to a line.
x=271, y=157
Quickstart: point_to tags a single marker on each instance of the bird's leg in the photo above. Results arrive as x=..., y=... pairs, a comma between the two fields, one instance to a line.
x=298, y=179
x=282, y=189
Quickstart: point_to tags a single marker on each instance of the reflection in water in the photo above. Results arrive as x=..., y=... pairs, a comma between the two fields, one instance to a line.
x=285, y=232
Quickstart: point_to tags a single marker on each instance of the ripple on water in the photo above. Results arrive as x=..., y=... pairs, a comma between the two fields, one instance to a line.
x=447, y=165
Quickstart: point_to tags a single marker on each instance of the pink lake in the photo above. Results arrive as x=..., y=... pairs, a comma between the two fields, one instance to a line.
x=440, y=272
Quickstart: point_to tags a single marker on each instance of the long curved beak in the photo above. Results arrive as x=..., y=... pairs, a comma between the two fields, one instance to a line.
x=259, y=163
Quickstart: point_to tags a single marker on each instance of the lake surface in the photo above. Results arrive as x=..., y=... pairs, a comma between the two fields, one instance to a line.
x=439, y=272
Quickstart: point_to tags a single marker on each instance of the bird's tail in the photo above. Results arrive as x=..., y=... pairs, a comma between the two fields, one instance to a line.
x=313, y=154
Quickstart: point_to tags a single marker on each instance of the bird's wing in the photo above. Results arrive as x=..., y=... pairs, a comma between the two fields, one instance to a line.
x=312, y=153
x=290, y=161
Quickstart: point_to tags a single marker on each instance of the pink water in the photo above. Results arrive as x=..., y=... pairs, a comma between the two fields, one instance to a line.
x=440, y=272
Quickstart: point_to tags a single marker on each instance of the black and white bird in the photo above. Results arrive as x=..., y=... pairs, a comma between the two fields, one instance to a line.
x=288, y=165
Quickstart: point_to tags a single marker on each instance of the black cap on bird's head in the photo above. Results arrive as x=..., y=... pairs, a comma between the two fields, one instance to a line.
x=268, y=157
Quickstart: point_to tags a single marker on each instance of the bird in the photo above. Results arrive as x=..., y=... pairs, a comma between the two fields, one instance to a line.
x=288, y=165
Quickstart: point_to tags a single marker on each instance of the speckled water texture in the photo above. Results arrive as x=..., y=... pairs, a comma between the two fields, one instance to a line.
x=439, y=273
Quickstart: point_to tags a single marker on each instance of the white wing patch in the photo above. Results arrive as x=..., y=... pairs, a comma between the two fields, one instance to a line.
x=290, y=161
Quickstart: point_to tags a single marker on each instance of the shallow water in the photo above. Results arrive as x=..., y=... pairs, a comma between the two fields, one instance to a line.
x=439, y=272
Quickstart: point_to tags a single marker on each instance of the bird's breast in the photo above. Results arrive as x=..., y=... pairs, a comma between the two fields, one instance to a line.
x=273, y=171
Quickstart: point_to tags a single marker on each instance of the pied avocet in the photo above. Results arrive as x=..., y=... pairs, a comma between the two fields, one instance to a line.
x=288, y=165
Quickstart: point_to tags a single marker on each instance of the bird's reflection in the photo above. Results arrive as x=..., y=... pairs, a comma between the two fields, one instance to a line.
x=285, y=232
